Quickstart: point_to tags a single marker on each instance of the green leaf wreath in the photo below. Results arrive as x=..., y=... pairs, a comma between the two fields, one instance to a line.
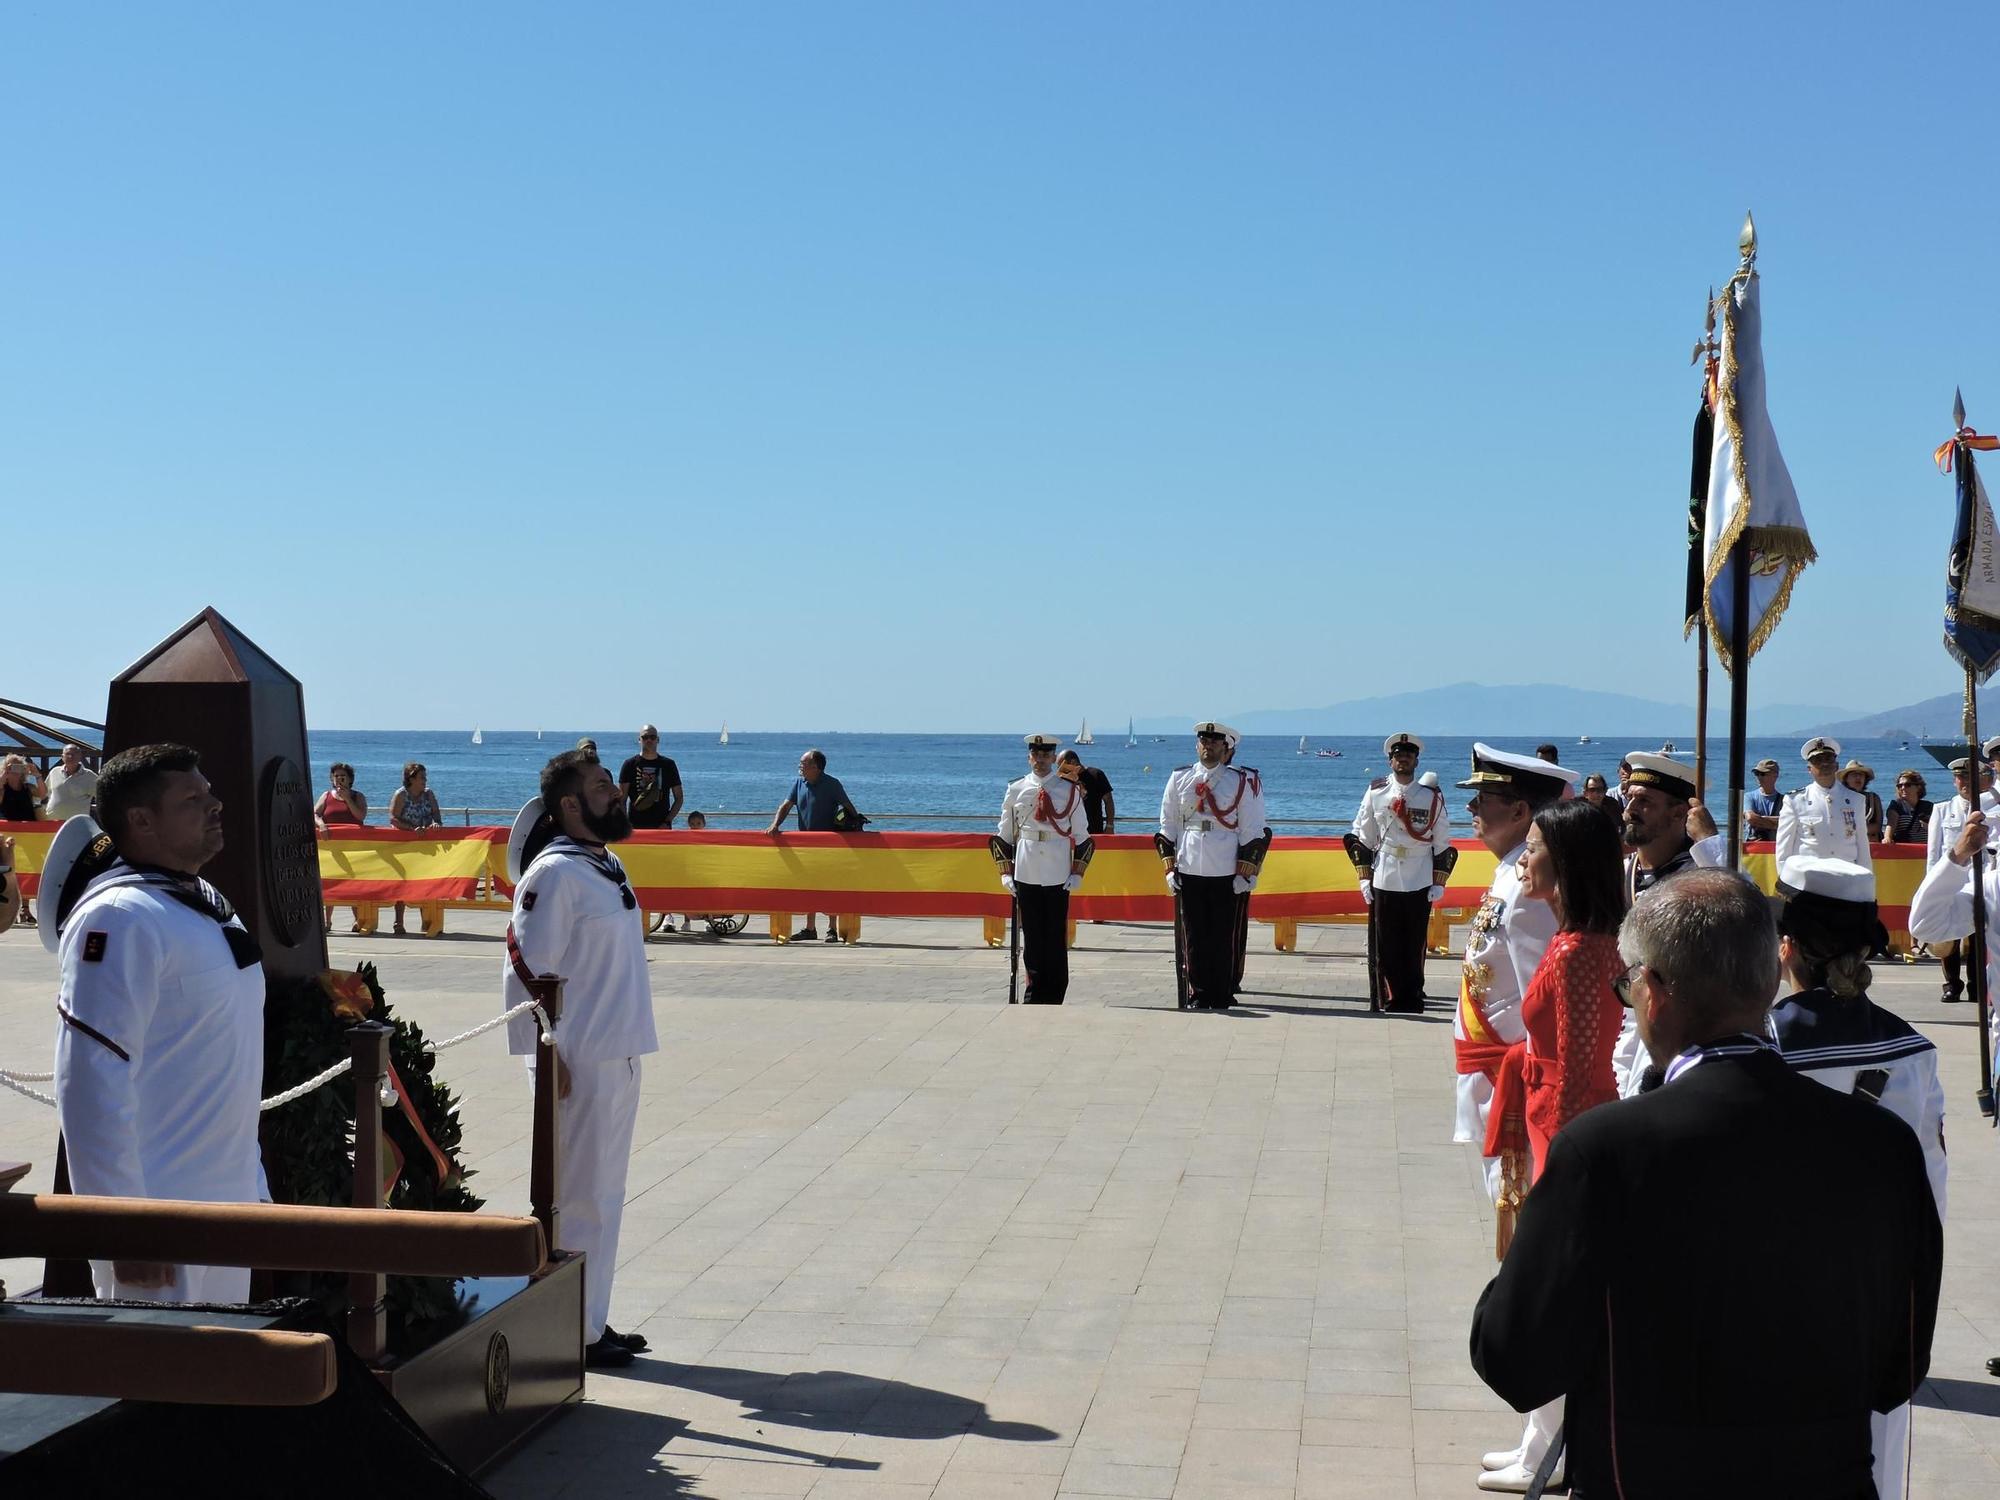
x=309, y=1143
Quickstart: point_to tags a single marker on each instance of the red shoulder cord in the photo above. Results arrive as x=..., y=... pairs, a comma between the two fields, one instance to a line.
x=1062, y=822
x=1403, y=815
x=1204, y=798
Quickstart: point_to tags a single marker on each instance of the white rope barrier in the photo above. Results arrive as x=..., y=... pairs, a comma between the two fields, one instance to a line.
x=18, y=1081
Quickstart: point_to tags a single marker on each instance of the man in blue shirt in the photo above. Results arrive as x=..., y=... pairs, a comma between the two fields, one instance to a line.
x=1760, y=808
x=823, y=807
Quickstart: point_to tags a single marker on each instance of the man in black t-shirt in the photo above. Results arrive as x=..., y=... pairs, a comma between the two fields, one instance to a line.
x=651, y=783
x=1100, y=809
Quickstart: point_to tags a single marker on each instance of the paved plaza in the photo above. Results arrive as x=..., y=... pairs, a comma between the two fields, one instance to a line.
x=890, y=1237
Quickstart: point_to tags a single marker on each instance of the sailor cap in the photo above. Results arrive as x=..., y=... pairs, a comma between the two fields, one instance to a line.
x=1041, y=741
x=1663, y=773
x=1210, y=726
x=1526, y=776
x=1962, y=766
x=1991, y=748
x=532, y=829
x=1835, y=879
x=78, y=854
x=1403, y=741
x=1820, y=744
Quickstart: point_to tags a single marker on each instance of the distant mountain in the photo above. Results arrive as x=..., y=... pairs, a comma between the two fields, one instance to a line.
x=1938, y=719
x=1532, y=710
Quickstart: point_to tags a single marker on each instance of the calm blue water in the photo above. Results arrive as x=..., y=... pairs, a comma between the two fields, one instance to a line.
x=962, y=774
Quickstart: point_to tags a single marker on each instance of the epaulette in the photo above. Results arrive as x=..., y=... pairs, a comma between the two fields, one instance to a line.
x=1178, y=769
x=1248, y=770
x=1378, y=783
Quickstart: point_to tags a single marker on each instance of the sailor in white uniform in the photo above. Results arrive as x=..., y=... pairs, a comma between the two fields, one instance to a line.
x=1833, y=1033
x=1402, y=838
x=573, y=919
x=1046, y=847
x=1211, y=843
x=1824, y=817
x=1947, y=819
x=1942, y=908
x=160, y=1037
x=1508, y=935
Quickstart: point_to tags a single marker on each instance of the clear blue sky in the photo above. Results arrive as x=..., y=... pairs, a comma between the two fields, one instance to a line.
x=964, y=367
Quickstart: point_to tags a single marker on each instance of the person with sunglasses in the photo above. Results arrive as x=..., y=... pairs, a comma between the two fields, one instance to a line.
x=1562, y=1066
x=572, y=920
x=1825, y=817
x=1829, y=1030
x=1907, y=817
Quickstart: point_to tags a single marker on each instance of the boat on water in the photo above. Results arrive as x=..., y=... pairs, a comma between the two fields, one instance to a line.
x=1583, y=739
x=1084, y=736
x=725, y=733
x=477, y=737
x=1667, y=748
x=1327, y=754
x=1302, y=744
x=1131, y=739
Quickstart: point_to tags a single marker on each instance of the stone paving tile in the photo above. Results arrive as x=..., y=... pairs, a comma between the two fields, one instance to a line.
x=891, y=1238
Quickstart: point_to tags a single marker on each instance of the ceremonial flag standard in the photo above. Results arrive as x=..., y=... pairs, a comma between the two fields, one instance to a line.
x=1750, y=494
x=1972, y=571
x=1704, y=455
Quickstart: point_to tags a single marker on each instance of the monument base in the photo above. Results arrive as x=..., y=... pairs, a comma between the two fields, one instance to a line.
x=517, y=1360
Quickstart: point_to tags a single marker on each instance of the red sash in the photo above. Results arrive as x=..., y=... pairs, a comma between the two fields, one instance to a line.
x=1507, y=1139
x=1045, y=812
x=1204, y=800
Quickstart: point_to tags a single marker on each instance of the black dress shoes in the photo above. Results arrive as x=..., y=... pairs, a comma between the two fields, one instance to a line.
x=636, y=1342
x=605, y=1355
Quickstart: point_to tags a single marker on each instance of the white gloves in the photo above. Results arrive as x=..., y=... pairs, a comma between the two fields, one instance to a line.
x=1007, y=884
x=1367, y=893
x=1072, y=883
x=1240, y=885
x=1174, y=881
x=1437, y=894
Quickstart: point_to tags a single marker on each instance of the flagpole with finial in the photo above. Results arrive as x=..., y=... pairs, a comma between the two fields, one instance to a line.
x=1739, y=623
x=1976, y=959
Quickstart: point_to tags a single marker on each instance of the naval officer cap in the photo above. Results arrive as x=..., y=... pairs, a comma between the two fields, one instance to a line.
x=1041, y=742
x=1211, y=729
x=1991, y=748
x=1962, y=766
x=1397, y=743
x=1663, y=773
x=1529, y=777
x=1818, y=745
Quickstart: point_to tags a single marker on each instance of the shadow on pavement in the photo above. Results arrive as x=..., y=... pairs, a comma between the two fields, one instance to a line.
x=841, y=1401
x=1980, y=1397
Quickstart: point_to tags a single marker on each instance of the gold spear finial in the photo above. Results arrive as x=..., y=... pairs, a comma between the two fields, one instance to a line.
x=1747, y=240
x=1957, y=408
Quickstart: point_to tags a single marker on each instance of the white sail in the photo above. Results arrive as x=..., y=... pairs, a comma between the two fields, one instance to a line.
x=1083, y=735
x=1131, y=739
x=725, y=733
x=1302, y=744
x=477, y=737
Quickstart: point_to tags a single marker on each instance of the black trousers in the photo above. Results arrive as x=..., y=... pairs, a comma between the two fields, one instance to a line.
x=1044, y=942
x=1208, y=922
x=1402, y=919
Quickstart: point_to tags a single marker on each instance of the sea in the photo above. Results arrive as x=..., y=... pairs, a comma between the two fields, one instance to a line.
x=954, y=781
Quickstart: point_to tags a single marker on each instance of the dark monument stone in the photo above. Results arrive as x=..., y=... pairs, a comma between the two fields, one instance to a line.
x=209, y=686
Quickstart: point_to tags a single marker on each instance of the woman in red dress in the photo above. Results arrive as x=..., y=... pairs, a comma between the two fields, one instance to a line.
x=1575, y=863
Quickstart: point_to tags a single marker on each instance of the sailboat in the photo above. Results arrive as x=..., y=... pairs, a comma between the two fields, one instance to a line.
x=1084, y=736
x=477, y=737
x=725, y=733
x=538, y=734
x=1131, y=739
x=1302, y=744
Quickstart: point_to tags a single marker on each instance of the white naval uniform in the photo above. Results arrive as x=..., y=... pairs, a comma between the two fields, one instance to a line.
x=1202, y=844
x=1509, y=934
x=1629, y=1058
x=1828, y=821
x=1042, y=851
x=571, y=920
x=1941, y=911
x=1402, y=857
x=1836, y=1042
x=159, y=1062
x=1948, y=818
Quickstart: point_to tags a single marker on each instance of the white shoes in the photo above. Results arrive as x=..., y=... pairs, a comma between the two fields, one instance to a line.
x=1515, y=1479
x=1502, y=1460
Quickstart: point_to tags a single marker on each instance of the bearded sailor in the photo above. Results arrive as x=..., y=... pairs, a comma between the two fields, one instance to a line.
x=574, y=920
x=1212, y=842
x=1509, y=932
x=1824, y=817
x=1043, y=848
x=1402, y=849
x=160, y=1041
